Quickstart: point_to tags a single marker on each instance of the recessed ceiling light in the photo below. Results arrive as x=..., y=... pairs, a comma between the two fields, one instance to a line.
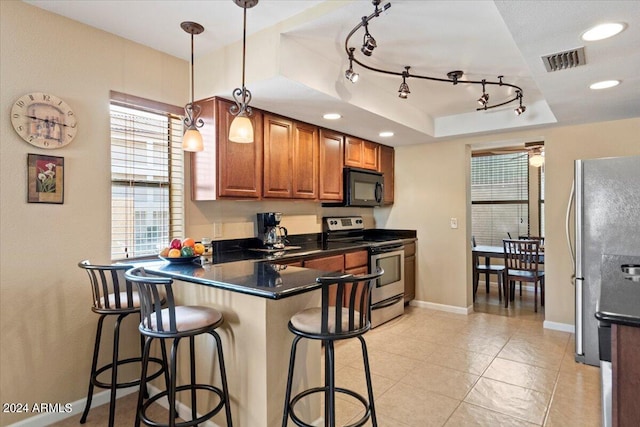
x=606, y=84
x=332, y=116
x=386, y=134
x=603, y=31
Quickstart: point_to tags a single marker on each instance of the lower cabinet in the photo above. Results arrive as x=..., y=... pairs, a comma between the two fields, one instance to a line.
x=625, y=351
x=409, y=272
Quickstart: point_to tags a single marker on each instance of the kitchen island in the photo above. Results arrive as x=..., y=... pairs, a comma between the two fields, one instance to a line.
x=257, y=299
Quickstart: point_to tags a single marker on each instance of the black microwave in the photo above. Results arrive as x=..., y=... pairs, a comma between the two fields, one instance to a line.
x=363, y=187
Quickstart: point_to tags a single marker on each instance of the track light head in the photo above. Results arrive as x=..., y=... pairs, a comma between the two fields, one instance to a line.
x=521, y=109
x=484, y=99
x=368, y=45
x=351, y=75
x=404, y=91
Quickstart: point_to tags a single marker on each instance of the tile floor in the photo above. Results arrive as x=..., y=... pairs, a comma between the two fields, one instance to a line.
x=495, y=367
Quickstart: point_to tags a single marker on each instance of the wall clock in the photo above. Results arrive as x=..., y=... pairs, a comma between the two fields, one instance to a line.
x=44, y=120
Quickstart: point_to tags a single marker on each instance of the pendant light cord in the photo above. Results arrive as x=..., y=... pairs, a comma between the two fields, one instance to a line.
x=192, y=78
x=244, y=50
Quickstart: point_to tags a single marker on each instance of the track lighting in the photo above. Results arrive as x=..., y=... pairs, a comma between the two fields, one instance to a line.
x=192, y=139
x=351, y=75
x=453, y=77
x=241, y=129
x=521, y=109
x=404, y=87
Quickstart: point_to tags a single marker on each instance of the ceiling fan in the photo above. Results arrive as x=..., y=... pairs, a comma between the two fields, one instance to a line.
x=534, y=150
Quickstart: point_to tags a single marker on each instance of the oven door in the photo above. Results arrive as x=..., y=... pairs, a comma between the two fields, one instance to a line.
x=391, y=283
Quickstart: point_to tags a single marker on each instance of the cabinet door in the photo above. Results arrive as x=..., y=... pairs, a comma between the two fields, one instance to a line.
x=330, y=263
x=354, y=260
x=224, y=168
x=278, y=143
x=305, y=161
x=353, y=152
x=386, y=166
x=409, y=272
x=370, y=155
x=331, y=165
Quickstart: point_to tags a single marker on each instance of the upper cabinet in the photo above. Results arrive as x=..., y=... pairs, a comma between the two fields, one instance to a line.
x=291, y=154
x=287, y=160
x=331, y=165
x=226, y=169
x=386, y=158
x=360, y=154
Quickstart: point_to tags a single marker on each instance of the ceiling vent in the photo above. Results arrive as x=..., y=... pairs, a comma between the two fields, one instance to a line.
x=563, y=60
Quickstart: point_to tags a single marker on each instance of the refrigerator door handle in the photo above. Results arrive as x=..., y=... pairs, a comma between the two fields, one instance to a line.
x=579, y=274
x=568, y=231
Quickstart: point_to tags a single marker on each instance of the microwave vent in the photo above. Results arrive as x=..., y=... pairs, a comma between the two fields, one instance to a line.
x=564, y=60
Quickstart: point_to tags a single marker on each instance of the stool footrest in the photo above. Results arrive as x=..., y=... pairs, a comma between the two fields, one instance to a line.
x=136, y=382
x=324, y=389
x=187, y=387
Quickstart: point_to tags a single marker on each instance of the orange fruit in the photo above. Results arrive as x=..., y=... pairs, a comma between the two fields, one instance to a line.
x=188, y=242
x=174, y=253
x=198, y=248
x=164, y=252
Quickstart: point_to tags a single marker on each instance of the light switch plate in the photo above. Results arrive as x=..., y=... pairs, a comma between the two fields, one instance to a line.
x=454, y=222
x=217, y=230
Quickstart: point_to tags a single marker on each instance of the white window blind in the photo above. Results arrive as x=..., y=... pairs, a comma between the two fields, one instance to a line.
x=499, y=197
x=147, y=203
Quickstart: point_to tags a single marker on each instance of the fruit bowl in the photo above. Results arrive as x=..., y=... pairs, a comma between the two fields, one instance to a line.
x=180, y=260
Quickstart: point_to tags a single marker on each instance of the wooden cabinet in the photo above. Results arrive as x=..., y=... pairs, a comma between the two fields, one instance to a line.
x=409, y=272
x=356, y=262
x=329, y=263
x=625, y=360
x=306, y=161
x=290, y=159
x=386, y=159
x=226, y=169
x=361, y=154
x=331, y=163
x=278, y=146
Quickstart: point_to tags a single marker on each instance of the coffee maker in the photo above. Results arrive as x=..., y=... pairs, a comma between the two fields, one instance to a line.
x=270, y=232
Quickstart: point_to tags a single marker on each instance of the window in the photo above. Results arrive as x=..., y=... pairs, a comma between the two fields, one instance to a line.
x=499, y=197
x=147, y=204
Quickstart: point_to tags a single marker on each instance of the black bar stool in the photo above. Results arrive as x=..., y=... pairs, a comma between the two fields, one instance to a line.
x=112, y=296
x=349, y=318
x=176, y=322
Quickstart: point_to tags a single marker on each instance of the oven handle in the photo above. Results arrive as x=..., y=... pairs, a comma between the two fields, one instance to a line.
x=384, y=249
x=387, y=303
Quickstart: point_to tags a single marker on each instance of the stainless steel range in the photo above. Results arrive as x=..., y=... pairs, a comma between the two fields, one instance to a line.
x=387, y=297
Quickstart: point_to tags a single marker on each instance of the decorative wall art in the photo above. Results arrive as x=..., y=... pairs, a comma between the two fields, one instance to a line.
x=45, y=179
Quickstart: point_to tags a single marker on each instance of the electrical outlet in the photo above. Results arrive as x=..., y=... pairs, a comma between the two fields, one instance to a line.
x=454, y=222
x=217, y=230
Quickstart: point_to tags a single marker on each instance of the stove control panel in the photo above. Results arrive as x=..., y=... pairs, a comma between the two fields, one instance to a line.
x=343, y=223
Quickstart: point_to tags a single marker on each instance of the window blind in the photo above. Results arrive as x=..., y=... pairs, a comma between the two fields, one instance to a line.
x=147, y=177
x=499, y=197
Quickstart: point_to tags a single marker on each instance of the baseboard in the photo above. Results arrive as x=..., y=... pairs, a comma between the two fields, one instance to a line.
x=47, y=418
x=564, y=327
x=441, y=307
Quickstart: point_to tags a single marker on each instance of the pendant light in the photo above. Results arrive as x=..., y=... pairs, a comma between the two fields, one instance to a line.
x=192, y=139
x=241, y=129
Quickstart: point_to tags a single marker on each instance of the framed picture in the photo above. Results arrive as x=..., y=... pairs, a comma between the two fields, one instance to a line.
x=45, y=179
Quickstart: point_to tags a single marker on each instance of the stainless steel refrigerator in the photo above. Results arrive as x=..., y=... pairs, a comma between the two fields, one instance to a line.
x=607, y=220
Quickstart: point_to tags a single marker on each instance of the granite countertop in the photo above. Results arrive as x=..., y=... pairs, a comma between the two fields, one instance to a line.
x=619, y=292
x=237, y=267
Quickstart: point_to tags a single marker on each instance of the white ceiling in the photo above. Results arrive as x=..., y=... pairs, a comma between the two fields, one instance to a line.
x=483, y=38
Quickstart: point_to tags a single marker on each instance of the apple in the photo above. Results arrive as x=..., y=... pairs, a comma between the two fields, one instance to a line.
x=176, y=244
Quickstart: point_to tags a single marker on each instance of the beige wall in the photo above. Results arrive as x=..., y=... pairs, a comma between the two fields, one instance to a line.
x=431, y=189
x=46, y=326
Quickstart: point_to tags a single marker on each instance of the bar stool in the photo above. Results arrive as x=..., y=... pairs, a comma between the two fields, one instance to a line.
x=176, y=322
x=349, y=318
x=112, y=296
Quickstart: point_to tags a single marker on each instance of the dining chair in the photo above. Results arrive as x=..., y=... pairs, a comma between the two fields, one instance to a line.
x=487, y=269
x=522, y=263
x=348, y=318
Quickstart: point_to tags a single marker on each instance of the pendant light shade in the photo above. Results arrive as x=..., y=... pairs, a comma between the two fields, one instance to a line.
x=536, y=160
x=192, y=139
x=241, y=130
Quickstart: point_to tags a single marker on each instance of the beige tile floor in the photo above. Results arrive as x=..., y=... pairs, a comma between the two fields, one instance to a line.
x=495, y=367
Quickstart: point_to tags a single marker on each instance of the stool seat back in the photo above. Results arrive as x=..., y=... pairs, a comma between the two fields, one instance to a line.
x=111, y=292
